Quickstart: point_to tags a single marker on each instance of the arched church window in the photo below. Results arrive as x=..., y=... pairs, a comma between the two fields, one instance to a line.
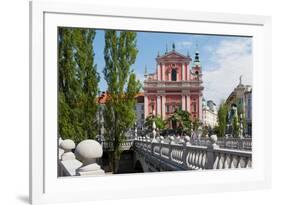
x=174, y=75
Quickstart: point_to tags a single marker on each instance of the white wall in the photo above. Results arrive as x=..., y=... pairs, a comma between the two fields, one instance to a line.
x=14, y=100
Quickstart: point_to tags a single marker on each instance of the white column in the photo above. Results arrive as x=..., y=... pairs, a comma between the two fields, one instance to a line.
x=183, y=102
x=158, y=72
x=187, y=72
x=188, y=103
x=200, y=108
x=145, y=106
x=163, y=71
x=163, y=107
x=170, y=76
x=158, y=112
x=182, y=72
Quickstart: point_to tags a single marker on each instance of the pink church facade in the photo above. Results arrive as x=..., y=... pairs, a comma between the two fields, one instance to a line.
x=176, y=84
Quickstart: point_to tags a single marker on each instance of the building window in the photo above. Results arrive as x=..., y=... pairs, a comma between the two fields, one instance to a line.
x=142, y=107
x=167, y=108
x=142, y=116
x=174, y=75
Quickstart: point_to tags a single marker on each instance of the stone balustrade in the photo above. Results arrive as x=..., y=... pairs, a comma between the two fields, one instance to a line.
x=180, y=154
x=227, y=143
x=108, y=145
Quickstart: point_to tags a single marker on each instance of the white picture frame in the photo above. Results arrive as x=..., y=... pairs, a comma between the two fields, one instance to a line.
x=45, y=187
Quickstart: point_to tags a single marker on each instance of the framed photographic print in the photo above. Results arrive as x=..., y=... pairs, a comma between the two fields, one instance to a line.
x=129, y=102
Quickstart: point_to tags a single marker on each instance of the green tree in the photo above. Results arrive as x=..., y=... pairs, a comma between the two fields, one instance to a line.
x=206, y=130
x=180, y=119
x=78, y=84
x=88, y=81
x=222, y=119
x=235, y=126
x=195, y=124
x=119, y=54
x=160, y=124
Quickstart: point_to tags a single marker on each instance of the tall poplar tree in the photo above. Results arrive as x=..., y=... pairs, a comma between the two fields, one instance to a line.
x=222, y=117
x=88, y=79
x=78, y=84
x=119, y=114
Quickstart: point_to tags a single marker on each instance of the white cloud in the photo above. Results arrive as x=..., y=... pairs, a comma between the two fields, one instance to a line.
x=230, y=59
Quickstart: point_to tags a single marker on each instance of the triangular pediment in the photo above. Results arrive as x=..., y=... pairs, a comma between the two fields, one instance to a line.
x=173, y=55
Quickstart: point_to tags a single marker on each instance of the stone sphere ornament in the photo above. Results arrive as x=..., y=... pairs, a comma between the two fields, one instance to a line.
x=214, y=139
x=67, y=145
x=88, y=150
x=187, y=140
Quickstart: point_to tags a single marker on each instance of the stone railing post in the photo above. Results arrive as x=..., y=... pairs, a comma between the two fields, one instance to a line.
x=170, y=147
x=61, y=151
x=185, y=143
x=67, y=145
x=240, y=143
x=210, y=152
x=87, y=152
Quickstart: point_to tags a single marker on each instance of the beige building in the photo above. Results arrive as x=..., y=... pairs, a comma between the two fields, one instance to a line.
x=209, y=113
x=241, y=98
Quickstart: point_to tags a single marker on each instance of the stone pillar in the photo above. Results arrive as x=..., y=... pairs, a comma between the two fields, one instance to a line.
x=145, y=106
x=182, y=72
x=158, y=72
x=170, y=76
x=188, y=103
x=67, y=145
x=187, y=72
x=158, y=111
x=163, y=107
x=88, y=151
x=163, y=71
x=183, y=103
x=200, y=107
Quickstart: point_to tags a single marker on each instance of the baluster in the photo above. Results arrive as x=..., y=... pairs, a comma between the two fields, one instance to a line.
x=216, y=161
x=221, y=161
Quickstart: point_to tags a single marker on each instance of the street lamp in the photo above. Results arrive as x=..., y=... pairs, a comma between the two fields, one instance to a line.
x=241, y=126
x=153, y=127
x=136, y=131
x=200, y=132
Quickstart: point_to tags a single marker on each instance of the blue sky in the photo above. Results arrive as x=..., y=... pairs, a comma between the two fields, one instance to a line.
x=223, y=58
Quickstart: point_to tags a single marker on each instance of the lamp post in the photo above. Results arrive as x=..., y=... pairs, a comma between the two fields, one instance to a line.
x=199, y=132
x=241, y=126
x=153, y=127
x=136, y=131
